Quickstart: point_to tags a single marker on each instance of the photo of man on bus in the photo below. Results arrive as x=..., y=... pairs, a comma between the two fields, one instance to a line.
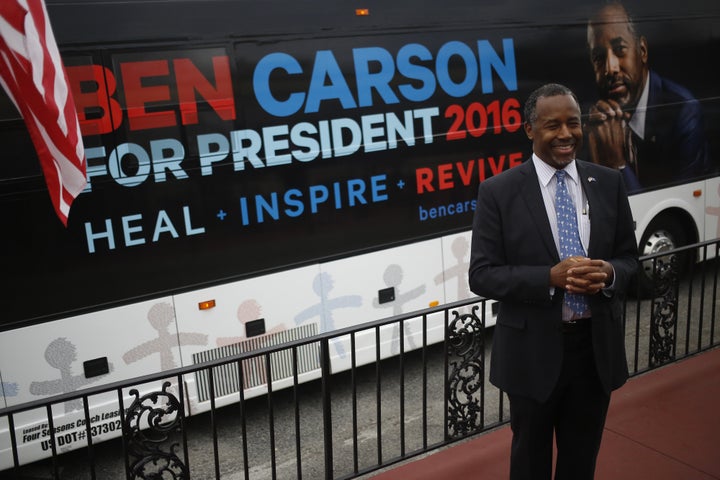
x=649, y=127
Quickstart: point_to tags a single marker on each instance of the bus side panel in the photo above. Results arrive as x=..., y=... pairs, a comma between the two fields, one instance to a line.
x=382, y=284
x=712, y=209
x=47, y=359
x=339, y=294
x=79, y=352
x=243, y=316
x=456, y=262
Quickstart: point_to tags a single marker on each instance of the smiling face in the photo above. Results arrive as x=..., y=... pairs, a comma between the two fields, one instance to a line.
x=556, y=132
x=618, y=55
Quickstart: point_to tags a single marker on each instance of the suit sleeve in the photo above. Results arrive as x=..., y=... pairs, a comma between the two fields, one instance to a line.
x=501, y=267
x=691, y=141
x=625, y=255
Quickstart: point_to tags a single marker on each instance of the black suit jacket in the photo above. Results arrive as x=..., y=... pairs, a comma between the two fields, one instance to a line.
x=512, y=253
x=675, y=148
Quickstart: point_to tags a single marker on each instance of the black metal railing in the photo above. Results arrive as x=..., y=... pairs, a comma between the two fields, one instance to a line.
x=387, y=402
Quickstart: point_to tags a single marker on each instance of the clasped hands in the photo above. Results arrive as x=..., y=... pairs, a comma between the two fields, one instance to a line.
x=581, y=275
x=606, y=127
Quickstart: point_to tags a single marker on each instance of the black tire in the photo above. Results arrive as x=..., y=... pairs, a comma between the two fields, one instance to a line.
x=665, y=233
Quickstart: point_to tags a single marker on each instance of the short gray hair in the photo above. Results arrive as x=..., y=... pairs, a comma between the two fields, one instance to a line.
x=547, y=90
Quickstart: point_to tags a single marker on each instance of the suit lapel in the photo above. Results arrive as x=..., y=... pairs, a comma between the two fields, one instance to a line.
x=536, y=206
x=592, y=192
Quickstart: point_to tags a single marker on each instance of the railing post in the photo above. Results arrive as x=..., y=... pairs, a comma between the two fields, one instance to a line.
x=663, y=316
x=326, y=404
x=148, y=423
x=466, y=374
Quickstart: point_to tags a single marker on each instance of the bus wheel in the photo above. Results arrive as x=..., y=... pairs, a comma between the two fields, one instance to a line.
x=662, y=235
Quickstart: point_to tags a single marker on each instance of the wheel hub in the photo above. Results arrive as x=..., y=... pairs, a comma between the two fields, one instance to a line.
x=658, y=242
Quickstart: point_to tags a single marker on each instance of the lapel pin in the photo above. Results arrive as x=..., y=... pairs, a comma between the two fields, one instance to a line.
x=591, y=179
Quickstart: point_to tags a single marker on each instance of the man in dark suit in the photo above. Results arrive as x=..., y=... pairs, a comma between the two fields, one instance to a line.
x=649, y=127
x=557, y=362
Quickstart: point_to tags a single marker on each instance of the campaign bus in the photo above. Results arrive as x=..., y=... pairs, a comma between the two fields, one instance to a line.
x=259, y=172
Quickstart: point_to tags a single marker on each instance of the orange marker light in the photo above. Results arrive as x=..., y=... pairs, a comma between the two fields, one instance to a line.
x=362, y=12
x=697, y=193
x=206, y=305
x=434, y=303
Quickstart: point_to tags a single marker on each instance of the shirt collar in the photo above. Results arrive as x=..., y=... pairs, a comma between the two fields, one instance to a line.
x=546, y=173
x=637, y=121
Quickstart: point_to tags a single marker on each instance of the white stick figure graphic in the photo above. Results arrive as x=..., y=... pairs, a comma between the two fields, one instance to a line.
x=460, y=248
x=393, y=277
x=61, y=354
x=161, y=316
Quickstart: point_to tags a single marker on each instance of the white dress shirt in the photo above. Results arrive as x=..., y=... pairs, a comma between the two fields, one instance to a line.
x=548, y=187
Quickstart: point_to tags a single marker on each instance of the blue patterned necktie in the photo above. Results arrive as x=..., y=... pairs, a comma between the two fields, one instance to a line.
x=569, y=236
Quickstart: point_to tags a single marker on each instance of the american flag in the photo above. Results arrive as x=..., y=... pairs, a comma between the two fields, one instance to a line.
x=32, y=74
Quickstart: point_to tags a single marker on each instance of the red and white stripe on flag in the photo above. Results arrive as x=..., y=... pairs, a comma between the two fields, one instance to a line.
x=32, y=73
